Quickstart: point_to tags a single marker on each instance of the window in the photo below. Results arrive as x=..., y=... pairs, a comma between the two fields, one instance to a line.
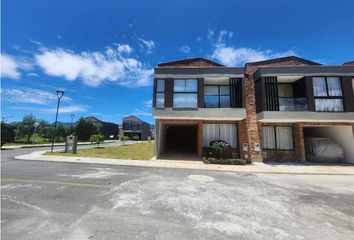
x=353, y=84
x=278, y=138
x=217, y=96
x=328, y=94
x=185, y=93
x=160, y=94
x=226, y=132
x=285, y=90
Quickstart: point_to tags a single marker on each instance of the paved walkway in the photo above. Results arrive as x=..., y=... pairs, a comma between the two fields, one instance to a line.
x=254, y=168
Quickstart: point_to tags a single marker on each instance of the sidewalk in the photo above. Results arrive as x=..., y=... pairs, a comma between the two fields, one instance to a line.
x=199, y=165
x=44, y=145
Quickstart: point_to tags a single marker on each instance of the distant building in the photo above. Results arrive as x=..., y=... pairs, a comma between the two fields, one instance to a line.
x=108, y=129
x=135, y=128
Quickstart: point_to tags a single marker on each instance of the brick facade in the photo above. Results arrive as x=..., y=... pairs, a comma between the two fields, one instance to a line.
x=249, y=130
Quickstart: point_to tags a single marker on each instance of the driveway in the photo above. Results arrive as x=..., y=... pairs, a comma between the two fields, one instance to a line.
x=47, y=200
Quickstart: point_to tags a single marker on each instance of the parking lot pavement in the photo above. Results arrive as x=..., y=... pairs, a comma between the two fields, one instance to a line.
x=46, y=200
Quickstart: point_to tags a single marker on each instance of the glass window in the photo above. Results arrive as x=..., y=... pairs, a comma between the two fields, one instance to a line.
x=178, y=85
x=284, y=136
x=319, y=86
x=334, y=86
x=211, y=101
x=285, y=90
x=217, y=96
x=353, y=84
x=160, y=100
x=328, y=94
x=329, y=105
x=185, y=85
x=226, y=132
x=185, y=100
x=278, y=138
x=211, y=90
x=191, y=85
x=185, y=93
x=224, y=101
x=268, y=137
x=160, y=94
x=160, y=86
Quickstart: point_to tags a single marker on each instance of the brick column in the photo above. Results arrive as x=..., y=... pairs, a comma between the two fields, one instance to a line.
x=251, y=117
x=299, y=142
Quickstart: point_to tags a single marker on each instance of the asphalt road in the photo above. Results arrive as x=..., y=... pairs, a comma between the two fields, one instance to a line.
x=47, y=200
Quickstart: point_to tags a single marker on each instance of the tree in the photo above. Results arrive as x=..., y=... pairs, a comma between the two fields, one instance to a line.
x=60, y=132
x=27, y=127
x=97, y=139
x=123, y=139
x=84, y=129
x=8, y=133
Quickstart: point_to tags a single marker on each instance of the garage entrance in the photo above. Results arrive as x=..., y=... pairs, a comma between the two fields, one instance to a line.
x=329, y=144
x=181, y=138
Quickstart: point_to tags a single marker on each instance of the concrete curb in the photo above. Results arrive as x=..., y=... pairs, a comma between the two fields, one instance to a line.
x=254, y=168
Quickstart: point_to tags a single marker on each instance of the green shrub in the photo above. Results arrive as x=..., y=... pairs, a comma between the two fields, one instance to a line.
x=220, y=149
x=227, y=161
x=97, y=139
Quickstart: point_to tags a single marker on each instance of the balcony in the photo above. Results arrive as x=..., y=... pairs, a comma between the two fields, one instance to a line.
x=292, y=104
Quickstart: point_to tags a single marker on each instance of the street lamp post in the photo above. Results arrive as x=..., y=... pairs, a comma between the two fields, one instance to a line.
x=71, y=124
x=36, y=124
x=59, y=95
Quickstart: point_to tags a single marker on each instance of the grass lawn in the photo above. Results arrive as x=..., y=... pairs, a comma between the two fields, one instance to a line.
x=138, y=151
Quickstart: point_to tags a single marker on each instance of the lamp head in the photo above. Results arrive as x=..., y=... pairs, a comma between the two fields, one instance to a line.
x=60, y=93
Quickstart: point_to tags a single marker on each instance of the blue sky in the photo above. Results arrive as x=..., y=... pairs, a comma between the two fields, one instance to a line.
x=102, y=52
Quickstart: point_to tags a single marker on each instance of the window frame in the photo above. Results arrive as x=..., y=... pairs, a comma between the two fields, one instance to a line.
x=183, y=92
x=219, y=95
x=275, y=138
x=327, y=92
x=160, y=92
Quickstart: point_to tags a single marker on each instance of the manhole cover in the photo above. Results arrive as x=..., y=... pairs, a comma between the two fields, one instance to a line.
x=201, y=178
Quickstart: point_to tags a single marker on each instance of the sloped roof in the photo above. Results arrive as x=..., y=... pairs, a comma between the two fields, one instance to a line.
x=132, y=118
x=349, y=63
x=191, y=62
x=288, y=59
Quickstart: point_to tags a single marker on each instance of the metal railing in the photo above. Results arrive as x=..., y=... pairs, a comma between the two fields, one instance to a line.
x=292, y=104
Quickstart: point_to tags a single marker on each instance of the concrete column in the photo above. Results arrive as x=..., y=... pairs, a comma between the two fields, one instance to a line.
x=200, y=138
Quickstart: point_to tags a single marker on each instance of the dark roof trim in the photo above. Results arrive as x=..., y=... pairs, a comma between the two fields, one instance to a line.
x=200, y=71
x=168, y=64
x=283, y=59
x=314, y=70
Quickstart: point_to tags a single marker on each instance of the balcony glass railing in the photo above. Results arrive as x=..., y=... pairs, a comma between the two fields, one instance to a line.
x=292, y=104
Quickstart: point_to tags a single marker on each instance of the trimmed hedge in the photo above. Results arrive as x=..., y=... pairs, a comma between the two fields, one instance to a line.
x=227, y=161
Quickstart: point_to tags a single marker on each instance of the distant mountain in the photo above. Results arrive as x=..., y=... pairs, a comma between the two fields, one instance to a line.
x=68, y=124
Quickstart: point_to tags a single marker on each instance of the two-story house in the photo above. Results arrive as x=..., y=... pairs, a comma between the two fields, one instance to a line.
x=281, y=109
x=135, y=128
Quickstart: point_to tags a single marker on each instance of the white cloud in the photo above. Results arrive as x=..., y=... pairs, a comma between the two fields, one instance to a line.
x=30, y=95
x=232, y=56
x=11, y=66
x=62, y=109
x=94, y=68
x=199, y=39
x=124, y=48
x=185, y=49
x=147, y=45
x=148, y=103
x=139, y=112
